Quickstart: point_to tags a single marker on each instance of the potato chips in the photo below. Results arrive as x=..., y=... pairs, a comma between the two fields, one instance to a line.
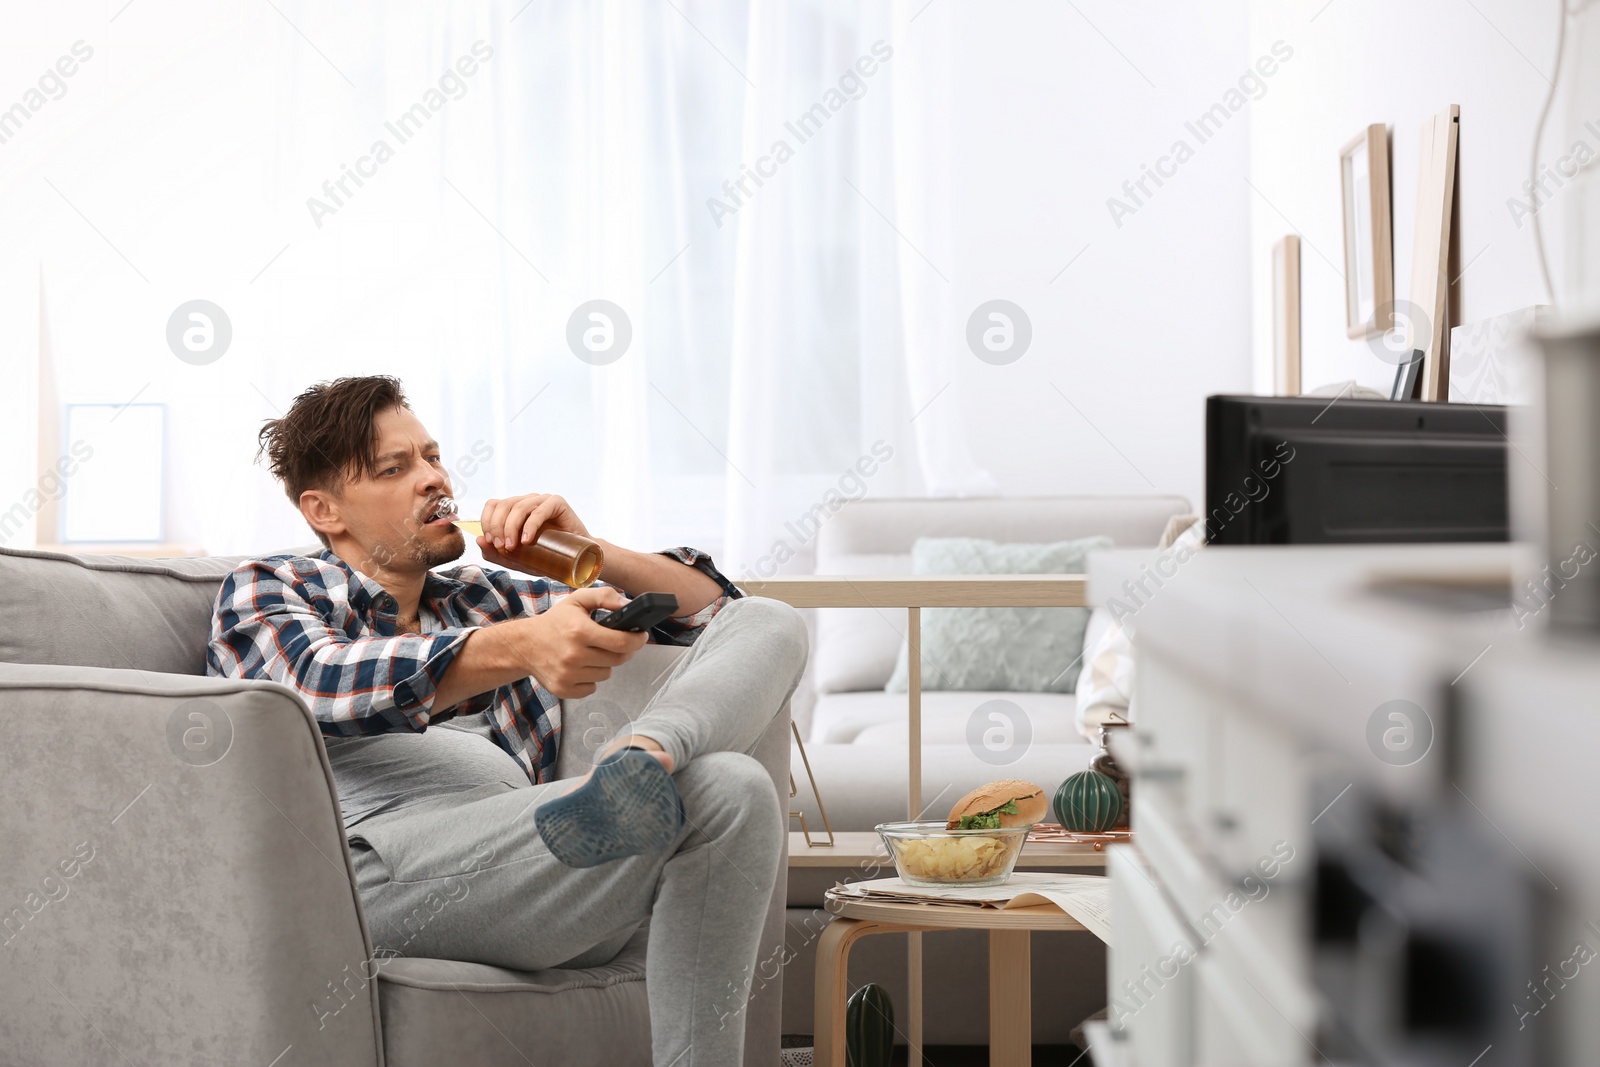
x=963, y=858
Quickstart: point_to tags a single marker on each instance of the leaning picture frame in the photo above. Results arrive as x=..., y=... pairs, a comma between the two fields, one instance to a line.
x=1368, y=244
x=1286, y=316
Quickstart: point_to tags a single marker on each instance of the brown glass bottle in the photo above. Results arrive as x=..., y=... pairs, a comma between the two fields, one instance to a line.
x=569, y=558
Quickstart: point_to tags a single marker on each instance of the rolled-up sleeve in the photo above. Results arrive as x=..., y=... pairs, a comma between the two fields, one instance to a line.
x=269, y=623
x=684, y=629
x=536, y=595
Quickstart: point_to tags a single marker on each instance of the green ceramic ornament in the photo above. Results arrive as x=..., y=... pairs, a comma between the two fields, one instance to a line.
x=1089, y=802
x=869, y=1027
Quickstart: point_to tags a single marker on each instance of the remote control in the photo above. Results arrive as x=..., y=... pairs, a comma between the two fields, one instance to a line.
x=638, y=614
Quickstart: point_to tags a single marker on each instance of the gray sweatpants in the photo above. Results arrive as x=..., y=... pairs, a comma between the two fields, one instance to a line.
x=511, y=904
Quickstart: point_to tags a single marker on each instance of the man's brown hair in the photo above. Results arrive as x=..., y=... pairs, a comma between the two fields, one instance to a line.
x=328, y=435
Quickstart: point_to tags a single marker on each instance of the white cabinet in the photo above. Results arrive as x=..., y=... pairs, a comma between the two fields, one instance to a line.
x=1152, y=982
x=1216, y=882
x=1333, y=897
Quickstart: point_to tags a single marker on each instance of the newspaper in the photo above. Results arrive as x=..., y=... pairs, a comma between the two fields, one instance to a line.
x=1085, y=897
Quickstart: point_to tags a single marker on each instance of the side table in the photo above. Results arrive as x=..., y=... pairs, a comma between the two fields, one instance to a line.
x=913, y=592
x=1010, y=983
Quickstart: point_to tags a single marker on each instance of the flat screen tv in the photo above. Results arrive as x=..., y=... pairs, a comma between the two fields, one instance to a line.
x=1306, y=470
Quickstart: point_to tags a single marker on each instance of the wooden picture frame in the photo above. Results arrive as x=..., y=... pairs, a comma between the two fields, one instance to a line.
x=1286, y=316
x=1429, y=309
x=1368, y=242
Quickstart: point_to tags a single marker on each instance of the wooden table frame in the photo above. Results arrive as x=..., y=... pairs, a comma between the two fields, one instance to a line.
x=1010, y=962
x=913, y=593
x=862, y=851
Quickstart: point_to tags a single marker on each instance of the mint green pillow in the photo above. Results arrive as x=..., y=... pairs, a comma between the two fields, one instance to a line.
x=1023, y=650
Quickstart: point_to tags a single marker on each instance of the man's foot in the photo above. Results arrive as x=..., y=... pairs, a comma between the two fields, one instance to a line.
x=644, y=744
x=627, y=806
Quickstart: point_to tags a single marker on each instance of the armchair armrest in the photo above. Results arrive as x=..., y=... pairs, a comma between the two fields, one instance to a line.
x=176, y=886
x=589, y=724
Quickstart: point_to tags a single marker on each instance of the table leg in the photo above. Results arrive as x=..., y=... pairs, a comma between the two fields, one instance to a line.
x=1010, y=999
x=914, y=812
x=832, y=987
x=914, y=712
x=914, y=995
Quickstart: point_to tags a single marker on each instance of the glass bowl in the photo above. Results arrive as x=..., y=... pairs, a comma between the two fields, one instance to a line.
x=927, y=854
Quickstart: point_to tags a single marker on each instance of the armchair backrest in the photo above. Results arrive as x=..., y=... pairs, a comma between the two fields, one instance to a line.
x=108, y=611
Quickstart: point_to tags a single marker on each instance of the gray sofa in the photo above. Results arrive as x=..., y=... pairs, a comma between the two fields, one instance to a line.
x=176, y=886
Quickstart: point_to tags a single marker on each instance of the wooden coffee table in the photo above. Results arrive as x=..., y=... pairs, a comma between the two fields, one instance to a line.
x=1010, y=981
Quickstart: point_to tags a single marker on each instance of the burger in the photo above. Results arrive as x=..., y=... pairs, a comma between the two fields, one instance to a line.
x=999, y=805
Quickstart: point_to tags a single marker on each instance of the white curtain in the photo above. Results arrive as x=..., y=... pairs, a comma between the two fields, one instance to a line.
x=772, y=356
x=932, y=332
x=842, y=325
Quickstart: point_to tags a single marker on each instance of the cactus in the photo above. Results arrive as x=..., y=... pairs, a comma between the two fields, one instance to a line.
x=1088, y=801
x=869, y=1027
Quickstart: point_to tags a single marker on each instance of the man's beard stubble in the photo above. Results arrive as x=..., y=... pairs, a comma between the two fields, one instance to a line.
x=417, y=549
x=447, y=551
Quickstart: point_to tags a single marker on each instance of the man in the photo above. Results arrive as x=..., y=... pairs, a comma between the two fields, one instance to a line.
x=435, y=691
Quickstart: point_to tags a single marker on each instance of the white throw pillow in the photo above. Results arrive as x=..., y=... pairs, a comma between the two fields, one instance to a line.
x=1105, y=688
x=1106, y=685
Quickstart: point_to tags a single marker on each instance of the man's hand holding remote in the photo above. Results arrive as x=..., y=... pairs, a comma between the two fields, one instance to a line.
x=565, y=650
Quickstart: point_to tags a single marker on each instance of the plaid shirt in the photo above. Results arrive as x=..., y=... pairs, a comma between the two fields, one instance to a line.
x=328, y=631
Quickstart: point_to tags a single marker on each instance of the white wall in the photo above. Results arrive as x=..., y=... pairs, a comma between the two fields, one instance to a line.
x=1056, y=106
x=1364, y=61
x=1053, y=114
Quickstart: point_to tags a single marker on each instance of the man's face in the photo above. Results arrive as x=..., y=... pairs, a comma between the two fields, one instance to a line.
x=385, y=516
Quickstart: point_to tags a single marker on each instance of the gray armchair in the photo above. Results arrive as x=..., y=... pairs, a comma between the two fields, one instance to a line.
x=175, y=885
